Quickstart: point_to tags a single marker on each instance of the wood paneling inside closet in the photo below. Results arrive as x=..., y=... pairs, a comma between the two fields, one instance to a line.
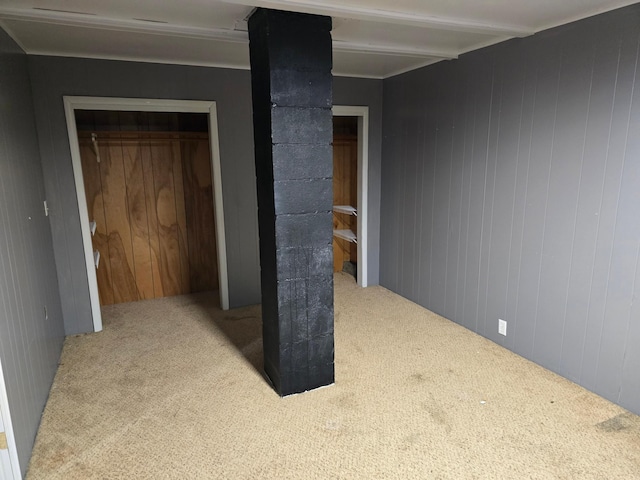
x=151, y=197
x=345, y=192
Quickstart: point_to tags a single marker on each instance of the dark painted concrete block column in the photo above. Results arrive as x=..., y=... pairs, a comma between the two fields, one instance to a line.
x=292, y=97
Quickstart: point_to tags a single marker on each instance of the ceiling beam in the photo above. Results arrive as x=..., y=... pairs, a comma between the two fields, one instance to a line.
x=227, y=35
x=121, y=24
x=388, y=16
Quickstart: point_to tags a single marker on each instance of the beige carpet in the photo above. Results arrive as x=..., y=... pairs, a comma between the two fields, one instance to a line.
x=172, y=389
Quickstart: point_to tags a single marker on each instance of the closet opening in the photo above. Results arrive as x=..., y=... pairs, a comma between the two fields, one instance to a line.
x=149, y=193
x=345, y=195
x=351, y=187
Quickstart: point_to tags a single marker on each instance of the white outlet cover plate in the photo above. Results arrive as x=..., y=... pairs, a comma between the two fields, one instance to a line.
x=502, y=327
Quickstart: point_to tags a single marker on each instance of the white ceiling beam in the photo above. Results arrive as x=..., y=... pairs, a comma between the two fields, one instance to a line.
x=389, y=16
x=227, y=35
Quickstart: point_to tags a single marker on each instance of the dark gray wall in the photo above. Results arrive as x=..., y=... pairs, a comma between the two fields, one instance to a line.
x=53, y=77
x=30, y=344
x=511, y=186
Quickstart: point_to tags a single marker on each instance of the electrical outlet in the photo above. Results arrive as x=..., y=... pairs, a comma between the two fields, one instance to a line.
x=502, y=327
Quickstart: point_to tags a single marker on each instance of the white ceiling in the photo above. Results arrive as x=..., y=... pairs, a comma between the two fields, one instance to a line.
x=371, y=38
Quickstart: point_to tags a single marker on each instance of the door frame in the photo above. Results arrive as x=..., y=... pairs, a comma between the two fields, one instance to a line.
x=12, y=463
x=73, y=103
x=362, y=113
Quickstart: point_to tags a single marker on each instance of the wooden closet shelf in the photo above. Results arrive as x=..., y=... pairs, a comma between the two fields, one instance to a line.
x=346, y=234
x=347, y=209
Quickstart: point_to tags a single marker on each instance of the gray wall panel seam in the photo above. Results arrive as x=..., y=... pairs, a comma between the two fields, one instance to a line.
x=604, y=178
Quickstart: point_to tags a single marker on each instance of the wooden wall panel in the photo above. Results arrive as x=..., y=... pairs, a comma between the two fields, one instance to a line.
x=152, y=218
x=114, y=192
x=95, y=206
x=203, y=264
x=170, y=273
x=345, y=192
x=181, y=216
x=152, y=199
x=353, y=193
x=138, y=217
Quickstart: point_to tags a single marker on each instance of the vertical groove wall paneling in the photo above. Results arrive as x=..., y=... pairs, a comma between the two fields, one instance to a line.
x=116, y=208
x=31, y=324
x=527, y=209
x=167, y=216
x=152, y=217
x=138, y=217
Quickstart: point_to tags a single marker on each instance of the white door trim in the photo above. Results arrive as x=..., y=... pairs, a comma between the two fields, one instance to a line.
x=363, y=184
x=71, y=104
x=12, y=464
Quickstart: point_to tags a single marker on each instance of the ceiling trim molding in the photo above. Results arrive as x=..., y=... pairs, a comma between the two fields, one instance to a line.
x=412, y=67
x=157, y=61
x=388, y=16
x=358, y=75
x=13, y=36
x=123, y=58
x=341, y=46
x=121, y=24
x=582, y=16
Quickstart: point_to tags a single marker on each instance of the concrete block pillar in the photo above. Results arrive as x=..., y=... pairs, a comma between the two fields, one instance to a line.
x=292, y=98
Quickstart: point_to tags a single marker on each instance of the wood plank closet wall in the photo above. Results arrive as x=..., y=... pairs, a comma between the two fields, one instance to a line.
x=345, y=192
x=151, y=197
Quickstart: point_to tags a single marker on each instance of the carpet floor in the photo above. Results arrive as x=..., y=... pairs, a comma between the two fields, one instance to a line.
x=172, y=389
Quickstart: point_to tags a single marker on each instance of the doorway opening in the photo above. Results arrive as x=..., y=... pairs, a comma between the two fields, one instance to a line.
x=350, y=186
x=149, y=192
x=345, y=195
x=147, y=182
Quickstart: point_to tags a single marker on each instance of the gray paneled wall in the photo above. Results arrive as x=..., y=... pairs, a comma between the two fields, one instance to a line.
x=30, y=339
x=53, y=77
x=511, y=186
